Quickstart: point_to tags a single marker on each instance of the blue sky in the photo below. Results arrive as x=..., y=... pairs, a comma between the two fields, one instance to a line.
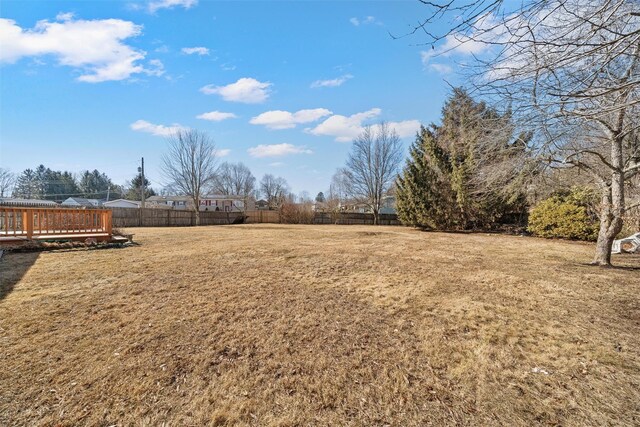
x=281, y=86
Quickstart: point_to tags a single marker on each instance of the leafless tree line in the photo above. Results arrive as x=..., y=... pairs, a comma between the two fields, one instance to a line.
x=191, y=168
x=371, y=168
x=7, y=181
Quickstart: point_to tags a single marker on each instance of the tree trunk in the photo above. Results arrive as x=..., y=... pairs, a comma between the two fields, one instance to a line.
x=197, y=211
x=611, y=207
x=376, y=215
x=604, y=243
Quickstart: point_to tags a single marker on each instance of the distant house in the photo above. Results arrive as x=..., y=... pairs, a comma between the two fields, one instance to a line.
x=81, y=202
x=168, y=202
x=388, y=205
x=122, y=203
x=355, y=207
x=320, y=207
x=216, y=203
x=8, y=201
x=262, y=204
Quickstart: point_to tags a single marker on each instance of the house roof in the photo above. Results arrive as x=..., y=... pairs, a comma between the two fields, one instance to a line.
x=168, y=198
x=82, y=201
x=188, y=198
x=133, y=202
x=27, y=202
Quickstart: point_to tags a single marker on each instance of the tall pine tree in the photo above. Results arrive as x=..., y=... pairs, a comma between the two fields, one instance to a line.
x=28, y=186
x=424, y=198
x=463, y=173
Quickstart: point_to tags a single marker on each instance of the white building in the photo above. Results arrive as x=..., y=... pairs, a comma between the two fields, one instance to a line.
x=215, y=203
x=122, y=203
x=82, y=202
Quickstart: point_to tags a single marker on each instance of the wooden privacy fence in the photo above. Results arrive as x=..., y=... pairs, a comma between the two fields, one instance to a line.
x=349, y=218
x=149, y=217
x=262, y=217
x=17, y=223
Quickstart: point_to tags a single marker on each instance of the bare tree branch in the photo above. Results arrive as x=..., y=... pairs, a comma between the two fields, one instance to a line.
x=190, y=164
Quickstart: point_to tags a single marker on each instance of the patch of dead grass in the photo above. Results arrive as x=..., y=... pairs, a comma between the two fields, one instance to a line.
x=319, y=325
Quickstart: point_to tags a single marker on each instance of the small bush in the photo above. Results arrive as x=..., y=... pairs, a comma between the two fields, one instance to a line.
x=566, y=216
x=631, y=223
x=291, y=213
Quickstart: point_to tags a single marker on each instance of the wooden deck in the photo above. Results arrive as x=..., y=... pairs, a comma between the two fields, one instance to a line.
x=22, y=224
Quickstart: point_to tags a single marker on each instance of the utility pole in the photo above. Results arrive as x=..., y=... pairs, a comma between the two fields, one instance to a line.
x=142, y=186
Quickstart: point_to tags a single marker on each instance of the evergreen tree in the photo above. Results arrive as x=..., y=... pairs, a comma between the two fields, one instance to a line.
x=423, y=195
x=466, y=172
x=135, y=188
x=97, y=185
x=44, y=183
x=28, y=186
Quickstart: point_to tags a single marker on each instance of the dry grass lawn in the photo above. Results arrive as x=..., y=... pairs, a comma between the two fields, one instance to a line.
x=319, y=325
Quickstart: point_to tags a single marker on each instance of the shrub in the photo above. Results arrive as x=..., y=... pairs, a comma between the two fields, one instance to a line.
x=291, y=213
x=568, y=215
x=631, y=222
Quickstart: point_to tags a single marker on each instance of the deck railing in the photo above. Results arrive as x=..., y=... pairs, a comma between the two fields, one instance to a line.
x=32, y=223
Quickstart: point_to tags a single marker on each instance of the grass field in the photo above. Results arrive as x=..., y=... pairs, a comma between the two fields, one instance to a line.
x=319, y=325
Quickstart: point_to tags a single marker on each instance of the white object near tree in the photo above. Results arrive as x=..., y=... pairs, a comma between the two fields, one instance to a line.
x=630, y=244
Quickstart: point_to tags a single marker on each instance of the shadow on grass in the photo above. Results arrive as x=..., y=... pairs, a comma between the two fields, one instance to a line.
x=632, y=263
x=13, y=266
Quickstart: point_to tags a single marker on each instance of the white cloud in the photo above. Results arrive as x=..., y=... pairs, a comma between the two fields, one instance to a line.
x=95, y=47
x=332, y=82
x=246, y=90
x=405, y=128
x=157, y=68
x=344, y=128
x=462, y=45
x=157, y=130
x=195, y=50
x=278, y=119
x=440, y=68
x=216, y=116
x=222, y=152
x=64, y=16
x=277, y=150
x=276, y=164
x=154, y=6
x=367, y=20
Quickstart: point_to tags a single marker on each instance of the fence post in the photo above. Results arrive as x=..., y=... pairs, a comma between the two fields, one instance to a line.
x=27, y=220
x=107, y=222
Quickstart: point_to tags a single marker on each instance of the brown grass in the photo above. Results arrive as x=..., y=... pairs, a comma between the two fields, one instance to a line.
x=319, y=325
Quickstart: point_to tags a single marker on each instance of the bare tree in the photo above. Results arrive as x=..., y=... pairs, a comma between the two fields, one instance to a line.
x=234, y=179
x=337, y=194
x=571, y=71
x=7, y=181
x=190, y=164
x=372, y=166
x=274, y=189
x=170, y=190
